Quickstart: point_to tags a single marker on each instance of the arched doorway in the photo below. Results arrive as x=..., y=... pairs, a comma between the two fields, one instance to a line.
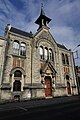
x=68, y=88
x=48, y=88
x=17, y=83
x=68, y=85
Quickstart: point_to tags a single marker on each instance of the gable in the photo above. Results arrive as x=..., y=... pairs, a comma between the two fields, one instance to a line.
x=44, y=35
x=48, y=68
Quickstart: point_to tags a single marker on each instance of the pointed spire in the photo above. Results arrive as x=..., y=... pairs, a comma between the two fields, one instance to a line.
x=42, y=20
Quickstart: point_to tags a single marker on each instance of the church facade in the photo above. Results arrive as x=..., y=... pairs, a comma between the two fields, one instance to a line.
x=34, y=65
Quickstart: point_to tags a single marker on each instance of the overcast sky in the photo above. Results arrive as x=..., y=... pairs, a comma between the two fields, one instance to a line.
x=65, y=15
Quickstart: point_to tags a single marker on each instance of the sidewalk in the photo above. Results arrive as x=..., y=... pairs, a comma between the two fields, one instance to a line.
x=38, y=103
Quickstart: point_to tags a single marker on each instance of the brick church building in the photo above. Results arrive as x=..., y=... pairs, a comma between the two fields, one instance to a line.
x=35, y=65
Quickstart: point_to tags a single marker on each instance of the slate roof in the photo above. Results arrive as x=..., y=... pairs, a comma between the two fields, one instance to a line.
x=2, y=38
x=30, y=35
x=20, y=32
x=61, y=46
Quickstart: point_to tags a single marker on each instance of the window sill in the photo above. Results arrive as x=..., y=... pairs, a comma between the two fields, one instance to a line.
x=65, y=65
x=19, y=56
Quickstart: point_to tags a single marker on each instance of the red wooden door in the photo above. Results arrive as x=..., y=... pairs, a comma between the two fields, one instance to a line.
x=48, y=87
x=68, y=88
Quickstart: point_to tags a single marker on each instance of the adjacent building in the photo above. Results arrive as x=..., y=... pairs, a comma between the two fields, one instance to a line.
x=35, y=65
x=78, y=78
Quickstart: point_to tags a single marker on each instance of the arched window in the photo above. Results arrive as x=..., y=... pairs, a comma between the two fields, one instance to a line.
x=16, y=47
x=23, y=49
x=41, y=52
x=46, y=53
x=67, y=77
x=17, y=73
x=63, y=58
x=50, y=55
x=67, y=60
x=17, y=85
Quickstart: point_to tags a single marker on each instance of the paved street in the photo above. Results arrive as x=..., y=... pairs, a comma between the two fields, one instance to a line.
x=67, y=108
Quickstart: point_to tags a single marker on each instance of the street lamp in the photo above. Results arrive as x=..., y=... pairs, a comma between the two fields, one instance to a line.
x=76, y=52
x=76, y=47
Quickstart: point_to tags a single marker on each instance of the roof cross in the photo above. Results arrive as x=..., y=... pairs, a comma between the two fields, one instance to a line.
x=41, y=5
